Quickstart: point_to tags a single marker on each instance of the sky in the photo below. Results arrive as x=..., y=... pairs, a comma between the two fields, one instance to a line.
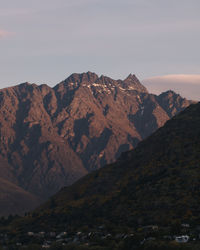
x=44, y=41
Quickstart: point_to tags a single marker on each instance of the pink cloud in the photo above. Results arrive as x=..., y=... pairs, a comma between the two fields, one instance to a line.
x=4, y=33
x=186, y=85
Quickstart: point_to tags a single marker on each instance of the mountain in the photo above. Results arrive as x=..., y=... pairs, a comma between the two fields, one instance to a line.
x=35, y=157
x=156, y=183
x=51, y=137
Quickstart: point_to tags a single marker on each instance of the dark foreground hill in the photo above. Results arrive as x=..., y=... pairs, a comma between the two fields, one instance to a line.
x=50, y=137
x=157, y=183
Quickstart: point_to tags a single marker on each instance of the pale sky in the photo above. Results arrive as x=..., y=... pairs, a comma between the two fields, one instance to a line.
x=44, y=41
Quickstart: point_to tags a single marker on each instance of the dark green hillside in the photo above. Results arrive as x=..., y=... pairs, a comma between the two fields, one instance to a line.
x=157, y=183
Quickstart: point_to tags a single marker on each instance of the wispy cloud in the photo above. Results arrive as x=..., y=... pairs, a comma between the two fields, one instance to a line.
x=176, y=78
x=4, y=34
x=187, y=85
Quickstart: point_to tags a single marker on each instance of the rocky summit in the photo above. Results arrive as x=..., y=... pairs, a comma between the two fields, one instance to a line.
x=50, y=137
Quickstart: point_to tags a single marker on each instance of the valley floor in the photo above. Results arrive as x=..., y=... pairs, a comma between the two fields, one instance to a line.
x=151, y=237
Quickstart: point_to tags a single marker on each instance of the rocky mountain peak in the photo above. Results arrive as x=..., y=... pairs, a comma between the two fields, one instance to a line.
x=172, y=102
x=132, y=83
x=27, y=84
x=132, y=77
x=169, y=93
x=106, y=80
x=88, y=77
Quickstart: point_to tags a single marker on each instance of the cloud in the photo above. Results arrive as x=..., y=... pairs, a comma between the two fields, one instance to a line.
x=186, y=85
x=4, y=33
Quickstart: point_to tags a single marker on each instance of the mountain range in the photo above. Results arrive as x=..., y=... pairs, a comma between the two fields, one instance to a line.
x=155, y=184
x=51, y=137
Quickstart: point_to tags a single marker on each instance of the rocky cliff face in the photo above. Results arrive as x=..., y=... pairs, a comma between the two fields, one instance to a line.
x=50, y=137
